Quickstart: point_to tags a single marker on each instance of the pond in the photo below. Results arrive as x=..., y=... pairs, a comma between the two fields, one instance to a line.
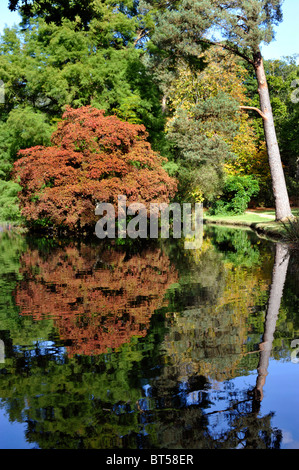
x=149, y=347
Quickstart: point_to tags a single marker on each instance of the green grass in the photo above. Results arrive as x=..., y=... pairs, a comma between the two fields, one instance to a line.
x=257, y=220
x=247, y=219
x=272, y=212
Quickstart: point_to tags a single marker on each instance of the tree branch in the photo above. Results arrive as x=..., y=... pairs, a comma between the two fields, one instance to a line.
x=230, y=49
x=257, y=110
x=140, y=35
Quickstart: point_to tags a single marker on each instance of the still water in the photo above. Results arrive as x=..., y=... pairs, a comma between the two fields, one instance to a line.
x=147, y=347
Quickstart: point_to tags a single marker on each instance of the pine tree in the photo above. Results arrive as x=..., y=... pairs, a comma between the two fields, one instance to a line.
x=240, y=27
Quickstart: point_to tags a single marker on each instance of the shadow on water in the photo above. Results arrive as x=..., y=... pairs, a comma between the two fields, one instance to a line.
x=106, y=346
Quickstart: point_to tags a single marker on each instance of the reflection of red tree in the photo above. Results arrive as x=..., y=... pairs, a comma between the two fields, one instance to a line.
x=97, y=302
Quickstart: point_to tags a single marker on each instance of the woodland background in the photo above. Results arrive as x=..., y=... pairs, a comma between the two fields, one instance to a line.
x=110, y=56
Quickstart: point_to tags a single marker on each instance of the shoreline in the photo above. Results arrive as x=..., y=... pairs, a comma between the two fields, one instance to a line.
x=263, y=224
x=264, y=228
x=274, y=233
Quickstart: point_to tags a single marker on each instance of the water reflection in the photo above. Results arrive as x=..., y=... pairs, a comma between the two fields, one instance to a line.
x=282, y=257
x=98, y=299
x=161, y=348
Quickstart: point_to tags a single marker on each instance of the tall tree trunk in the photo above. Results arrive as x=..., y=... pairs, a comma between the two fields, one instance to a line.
x=280, y=268
x=282, y=203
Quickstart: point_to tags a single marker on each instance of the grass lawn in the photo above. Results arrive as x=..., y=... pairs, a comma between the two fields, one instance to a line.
x=246, y=219
x=260, y=220
x=265, y=212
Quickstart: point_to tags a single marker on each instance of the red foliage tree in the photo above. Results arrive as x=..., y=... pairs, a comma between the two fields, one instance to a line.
x=93, y=158
x=96, y=300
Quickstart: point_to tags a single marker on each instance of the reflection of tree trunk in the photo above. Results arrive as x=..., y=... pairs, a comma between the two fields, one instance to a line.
x=278, y=279
x=2, y=351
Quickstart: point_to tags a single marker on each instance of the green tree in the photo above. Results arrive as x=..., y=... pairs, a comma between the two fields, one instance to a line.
x=283, y=82
x=117, y=23
x=236, y=194
x=244, y=25
x=47, y=67
x=282, y=76
x=54, y=11
x=201, y=143
x=214, y=142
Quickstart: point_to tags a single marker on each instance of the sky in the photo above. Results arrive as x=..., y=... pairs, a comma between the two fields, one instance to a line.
x=285, y=44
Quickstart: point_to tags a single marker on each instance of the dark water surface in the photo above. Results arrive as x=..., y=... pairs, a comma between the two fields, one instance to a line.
x=106, y=347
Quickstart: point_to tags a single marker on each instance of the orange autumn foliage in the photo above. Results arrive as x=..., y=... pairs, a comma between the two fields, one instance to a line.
x=93, y=158
x=96, y=300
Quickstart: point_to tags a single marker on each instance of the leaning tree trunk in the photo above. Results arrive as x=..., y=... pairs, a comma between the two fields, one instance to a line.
x=280, y=268
x=282, y=203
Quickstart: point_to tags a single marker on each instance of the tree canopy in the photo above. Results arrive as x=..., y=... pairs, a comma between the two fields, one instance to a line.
x=186, y=70
x=93, y=158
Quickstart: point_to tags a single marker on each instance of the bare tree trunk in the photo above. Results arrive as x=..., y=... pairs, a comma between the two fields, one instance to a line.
x=280, y=268
x=282, y=203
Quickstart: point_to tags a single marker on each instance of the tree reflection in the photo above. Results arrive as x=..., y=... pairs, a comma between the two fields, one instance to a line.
x=99, y=299
x=112, y=374
x=198, y=344
x=282, y=257
x=216, y=301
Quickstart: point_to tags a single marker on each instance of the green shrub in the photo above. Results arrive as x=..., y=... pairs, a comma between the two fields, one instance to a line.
x=9, y=203
x=236, y=195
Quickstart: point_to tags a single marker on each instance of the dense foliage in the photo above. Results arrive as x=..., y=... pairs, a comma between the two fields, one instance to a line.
x=149, y=63
x=113, y=348
x=210, y=135
x=237, y=193
x=94, y=158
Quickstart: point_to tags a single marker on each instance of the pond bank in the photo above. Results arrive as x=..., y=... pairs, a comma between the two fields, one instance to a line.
x=262, y=222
